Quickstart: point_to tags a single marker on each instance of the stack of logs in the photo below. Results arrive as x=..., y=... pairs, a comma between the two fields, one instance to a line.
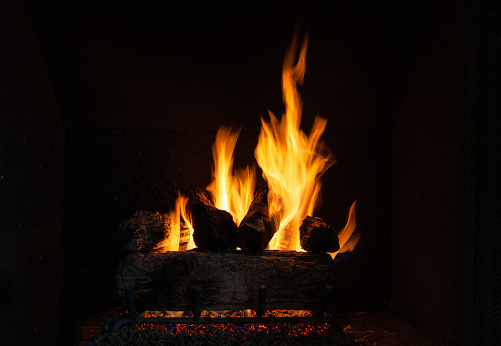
x=215, y=230
x=224, y=277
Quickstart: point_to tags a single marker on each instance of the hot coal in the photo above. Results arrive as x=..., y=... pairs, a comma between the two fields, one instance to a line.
x=227, y=334
x=317, y=236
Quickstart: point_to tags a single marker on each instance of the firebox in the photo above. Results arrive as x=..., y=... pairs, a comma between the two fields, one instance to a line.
x=109, y=109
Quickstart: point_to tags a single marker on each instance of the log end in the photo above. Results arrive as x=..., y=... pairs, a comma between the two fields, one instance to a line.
x=253, y=237
x=255, y=231
x=213, y=229
x=317, y=236
x=142, y=232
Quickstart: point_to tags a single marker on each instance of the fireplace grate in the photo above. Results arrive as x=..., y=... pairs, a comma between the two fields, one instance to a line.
x=321, y=316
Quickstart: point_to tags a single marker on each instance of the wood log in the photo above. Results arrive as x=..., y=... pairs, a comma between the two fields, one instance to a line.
x=146, y=231
x=143, y=231
x=230, y=280
x=213, y=229
x=255, y=230
x=317, y=236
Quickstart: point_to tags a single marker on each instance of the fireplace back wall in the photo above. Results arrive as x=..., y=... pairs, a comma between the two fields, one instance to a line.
x=143, y=88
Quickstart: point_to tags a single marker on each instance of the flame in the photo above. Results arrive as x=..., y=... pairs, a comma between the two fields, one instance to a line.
x=181, y=203
x=173, y=239
x=233, y=193
x=348, y=240
x=172, y=234
x=292, y=162
x=175, y=236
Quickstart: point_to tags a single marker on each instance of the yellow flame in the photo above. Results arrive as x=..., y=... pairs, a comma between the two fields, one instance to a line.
x=348, y=240
x=181, y=203
x=172, y=238
x=292, y=162
x=233, y=193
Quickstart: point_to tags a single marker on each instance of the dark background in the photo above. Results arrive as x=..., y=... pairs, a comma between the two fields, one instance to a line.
x=108, y=108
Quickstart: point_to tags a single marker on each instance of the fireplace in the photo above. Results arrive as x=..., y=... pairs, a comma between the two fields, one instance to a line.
x=113, y=109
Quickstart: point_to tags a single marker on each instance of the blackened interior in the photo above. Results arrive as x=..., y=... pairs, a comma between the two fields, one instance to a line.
x=112, y=108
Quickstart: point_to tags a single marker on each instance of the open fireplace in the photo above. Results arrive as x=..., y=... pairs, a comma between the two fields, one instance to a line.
x=107, y=109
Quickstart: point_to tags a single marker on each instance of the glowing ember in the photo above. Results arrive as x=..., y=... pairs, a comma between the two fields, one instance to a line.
x=252, y=332
x=226, y=334
x=229, y=313
x=291, y=330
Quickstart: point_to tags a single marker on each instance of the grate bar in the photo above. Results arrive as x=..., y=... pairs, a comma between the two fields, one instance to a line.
x=134, y=318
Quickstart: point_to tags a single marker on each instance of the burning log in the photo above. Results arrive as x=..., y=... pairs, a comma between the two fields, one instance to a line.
x=230, y=280
x=255, y=230
x=317, y=236
x=146, y=231
x=213, y=229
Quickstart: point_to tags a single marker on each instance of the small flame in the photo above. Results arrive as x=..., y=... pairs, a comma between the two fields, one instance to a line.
x=348, y=240
x=175, y=236
x=173, y=239
x=233, y=193
x=292, y=162
x=181, y=203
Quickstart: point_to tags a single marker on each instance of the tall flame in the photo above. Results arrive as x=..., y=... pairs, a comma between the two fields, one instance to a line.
x=233, y=193
x=292, y=162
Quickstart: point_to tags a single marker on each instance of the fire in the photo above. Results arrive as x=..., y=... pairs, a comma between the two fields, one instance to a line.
x=172, y=240
x=181, y=210
x=292, y=162
x=348, y=240
x=233, y=193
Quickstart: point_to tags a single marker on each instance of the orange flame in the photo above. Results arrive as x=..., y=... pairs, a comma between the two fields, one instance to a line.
x=348, y=240
x=233, y=193
x=292, y=162
x=181, y=203
x=172, y=240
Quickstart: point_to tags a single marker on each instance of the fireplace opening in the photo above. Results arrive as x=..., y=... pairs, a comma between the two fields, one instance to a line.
x=113, y=108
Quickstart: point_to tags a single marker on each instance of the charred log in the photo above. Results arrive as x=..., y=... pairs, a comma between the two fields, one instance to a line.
x=213, y=229
x=317, y=236
x=142, y=232
x=230, y=280
x=146, y=231
x=255, y=230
